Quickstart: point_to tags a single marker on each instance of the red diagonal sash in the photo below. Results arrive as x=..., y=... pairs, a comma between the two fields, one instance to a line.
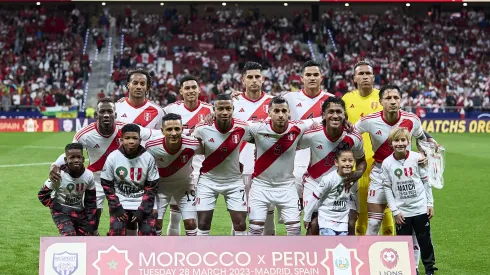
x=191, y=123
x=177, y=164
x=147, y=116
x=261, y=111
x=385, y=149
x=316, y=109
x=276, y=150
x=99, y=164
x=324, y=165
x=223, y=151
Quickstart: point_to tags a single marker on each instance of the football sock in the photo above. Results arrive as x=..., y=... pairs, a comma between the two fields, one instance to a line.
x=293, y=229
x=374, y=223
x=255, y=230
x=270, y=227
x=202, y=232
x=192, y=232
x=173, y=228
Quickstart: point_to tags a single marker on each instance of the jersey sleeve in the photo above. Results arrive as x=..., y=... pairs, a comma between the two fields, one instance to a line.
x=150, y=191
x=305, y=141
x=362, y=126
x=428, y=189
x=251, y=130
x=387, y=187
x=44, y=194
x=418, y=131
x=108, y=170
x=59, y=161
x=152, y=170
x=91, y=182
x=358, y=148
x=309, y=123
x=147, y=133
x=198, y=132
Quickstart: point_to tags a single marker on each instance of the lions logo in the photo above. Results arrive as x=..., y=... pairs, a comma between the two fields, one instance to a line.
x=389, y=258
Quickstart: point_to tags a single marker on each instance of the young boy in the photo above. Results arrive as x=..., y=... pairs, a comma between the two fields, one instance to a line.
x=130, y=179
x=334, y=198
x=73, y=204
x=409, y=195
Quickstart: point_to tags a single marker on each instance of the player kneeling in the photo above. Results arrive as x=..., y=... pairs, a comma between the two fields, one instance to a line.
x=130, y=182
x=74, y=203
x=334, y=199
x=409, y=195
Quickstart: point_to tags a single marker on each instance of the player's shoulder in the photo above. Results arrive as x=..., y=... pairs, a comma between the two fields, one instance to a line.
x=410, y=115
x=88, y=175
x=239, y=122
x=156, y=106
x=190, y=141
x=414, y=155
x=327, y=93
x=373, y=116
x=85, y=130
x=203, y=124
x=388, y=161
x=315, y=130
x=206, y=105
x=153, y=142
x=121, y=100
x=355, y=135
x=350, y=95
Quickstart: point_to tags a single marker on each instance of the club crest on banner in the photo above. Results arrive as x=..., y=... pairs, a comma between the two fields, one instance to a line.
x=65, y=263
x=389, y=258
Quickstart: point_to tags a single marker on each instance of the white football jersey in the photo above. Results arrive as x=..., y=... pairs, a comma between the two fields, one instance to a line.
x=71, y=191
x=246, y=110
x=333, y=200
x=379, y=130
x=274, y=162
x=221, y=150
x=174, y=167
x=406, y=186
x=98, y=146
x=129, y=176
x=190, y=118
x=304, y=107
x=148, y=115
x=323, y=150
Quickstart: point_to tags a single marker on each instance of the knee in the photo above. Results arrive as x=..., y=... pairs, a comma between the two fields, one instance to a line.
x=204, y=224
x=240, y=225
x=190, y=224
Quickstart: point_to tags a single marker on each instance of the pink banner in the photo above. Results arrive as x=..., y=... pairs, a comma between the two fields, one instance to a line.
x=274, y=255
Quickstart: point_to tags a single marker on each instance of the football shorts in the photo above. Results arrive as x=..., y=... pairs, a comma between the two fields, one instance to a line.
x=208, y=191
x=376, y=192
x=181, y=192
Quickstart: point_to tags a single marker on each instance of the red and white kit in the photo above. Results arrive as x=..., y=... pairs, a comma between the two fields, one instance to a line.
x=220, y=172
x=304, y=107
x=379, y=130
x=175, y=172
x=322, y=161
x=148, y=115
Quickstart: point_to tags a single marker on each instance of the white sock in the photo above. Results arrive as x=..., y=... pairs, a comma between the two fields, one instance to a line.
x=232, y=230
x=192, y=232
x=293, y=229
x=374, y=223
x=173, y=228
x=241, y=233
x=159, y=232
x=131, y=232
x=255, y=230
x=416, y=250
x=202, y=232
x=270, y=226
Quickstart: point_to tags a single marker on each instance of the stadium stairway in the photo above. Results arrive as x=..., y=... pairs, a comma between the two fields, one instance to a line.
x=101, y=69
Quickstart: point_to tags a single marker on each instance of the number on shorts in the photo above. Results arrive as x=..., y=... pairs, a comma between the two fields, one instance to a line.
x=192, y=193
x=243, y=194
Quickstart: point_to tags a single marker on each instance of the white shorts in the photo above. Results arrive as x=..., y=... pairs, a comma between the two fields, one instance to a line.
x=298, y=173
x=183, y=192
x=376, y=194
x=99, y=191
x=308, y=188
x=194, y=182
x=208, y=191
x=285, y=199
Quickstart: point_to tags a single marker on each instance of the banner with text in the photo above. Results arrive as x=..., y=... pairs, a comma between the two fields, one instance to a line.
x=29, y=125
x=266, y=255
x=74, y=125
x=456, y=125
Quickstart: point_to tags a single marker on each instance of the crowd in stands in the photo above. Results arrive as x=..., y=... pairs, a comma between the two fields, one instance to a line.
x=41, y=58
x=441, y=61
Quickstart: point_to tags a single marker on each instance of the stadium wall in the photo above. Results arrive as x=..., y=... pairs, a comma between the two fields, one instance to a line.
x=439, y=125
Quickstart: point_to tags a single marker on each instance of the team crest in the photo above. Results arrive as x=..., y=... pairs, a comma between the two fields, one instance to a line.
x=136, y=174
x=342, y=263
x=408, y=171
x=291, y=136
x=121, y=172
x=184, y=159
x=266, y=108
x=147, y=116
x=374, y=105
x=235, y=138
x=119, y=141
x=65, y=263
x=398, y=173
x=201, y=117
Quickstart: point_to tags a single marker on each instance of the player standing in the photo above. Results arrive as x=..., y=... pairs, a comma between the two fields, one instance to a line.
x=379, y=126
x=74, y=203
x=323, y=142
x=220, y=172
x=99, y=139
x=130, y=182
x=273, y=182
x=173, y=154
x=306, y=104
x=409, y=194
x=252, y=105
x=192, y=111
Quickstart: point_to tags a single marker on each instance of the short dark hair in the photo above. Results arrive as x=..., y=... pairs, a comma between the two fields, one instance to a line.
x=171, y=116
x=343, y=147
x=223, y=96
x=188, y=78
x=251, y=66
x=332, y=99
x=130, y=128
x=105, y=100
x=389, y=87
x=311, y=63
x=140, y=71
x=277, y=100
x=361, y=63
x=73, y=146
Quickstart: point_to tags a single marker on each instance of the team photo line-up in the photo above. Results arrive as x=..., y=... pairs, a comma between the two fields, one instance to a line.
x=345, y=163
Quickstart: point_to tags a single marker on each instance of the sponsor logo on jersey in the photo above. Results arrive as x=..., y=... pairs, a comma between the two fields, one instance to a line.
x=379, y=132
x=124, y=115
x=241, y=110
